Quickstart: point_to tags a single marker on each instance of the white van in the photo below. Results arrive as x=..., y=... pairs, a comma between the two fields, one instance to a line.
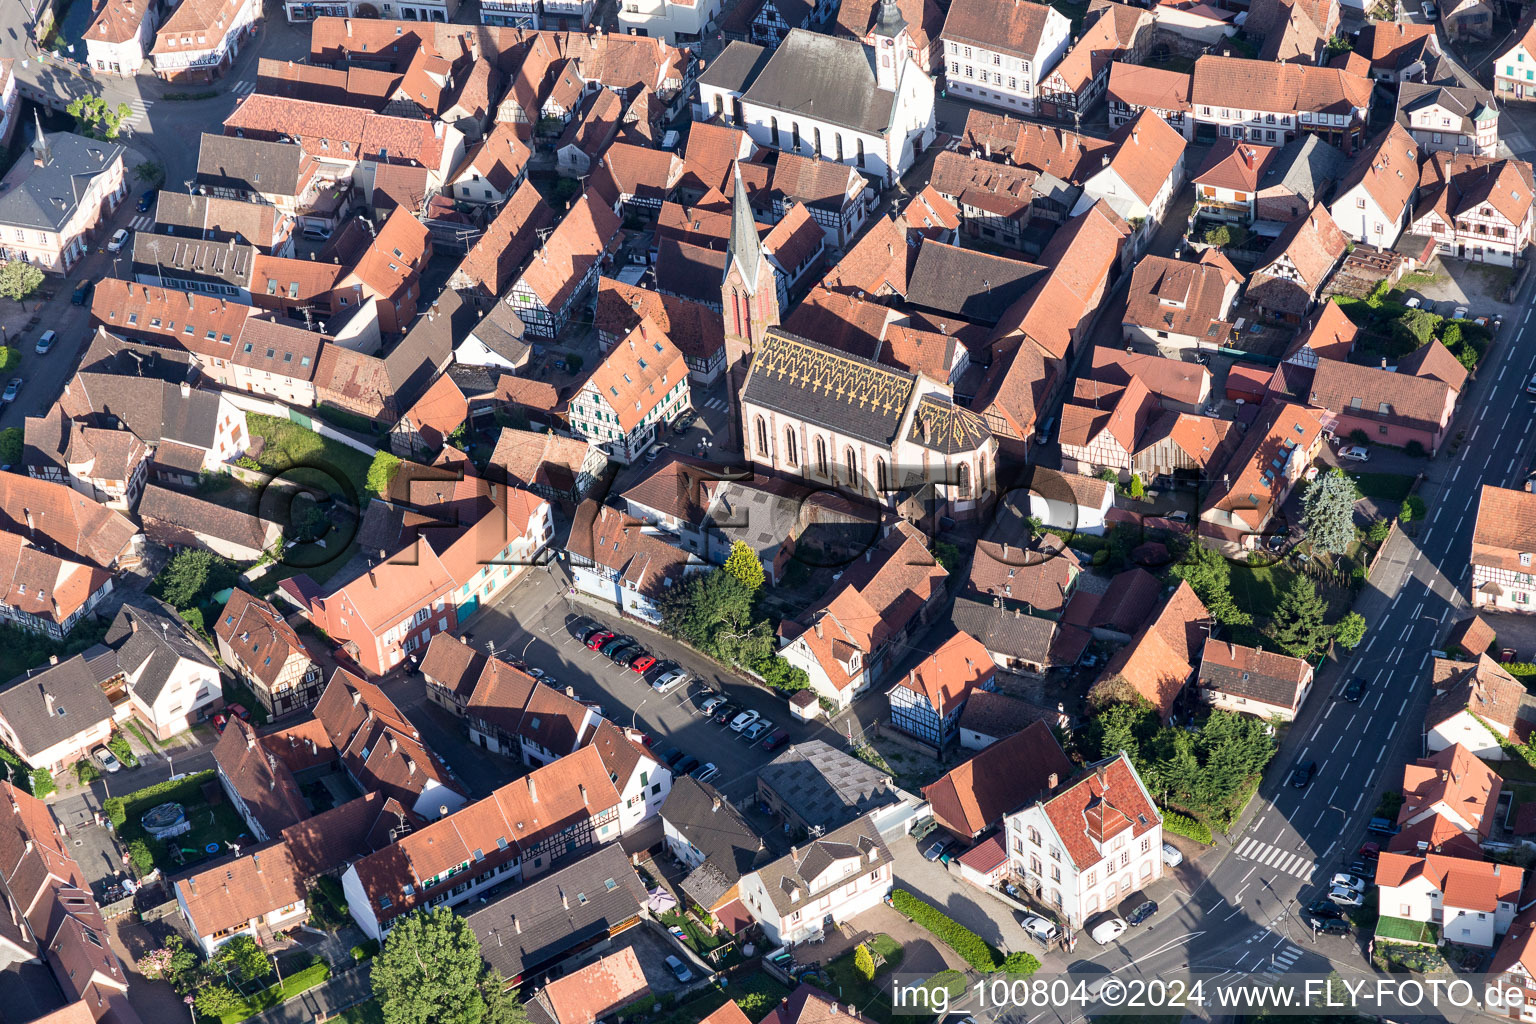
x=1107, y=930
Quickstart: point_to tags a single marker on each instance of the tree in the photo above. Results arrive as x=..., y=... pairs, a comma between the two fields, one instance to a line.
x=243, y=958
x=151, y=173
x=1218, y=236
x=1336, y=45
x=192, y=576
x=139, y=856
x=216, y=1000
x=1297, y=625
x=1350, y=630
x=501, y=1006
x=181, y=966
x=18, y=280
x=430, y=972
x=1328, y=512
x=744, y=564
x=1136, y=489
x=712, y=611
x=96, y=118
x=1415, y=328
x=947, y=555
x=1108, y=475
x=1413, y=508
x=864, y=962
x=42, y=783
x=380, y=472
x=1209, y=574
x=10, y=446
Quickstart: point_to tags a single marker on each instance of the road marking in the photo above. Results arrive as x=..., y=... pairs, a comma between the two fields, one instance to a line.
x=1483, y=412
x=1238, y=898
x=1371, y=643
x=1358, y=799
x=1285, y=861
x=1501, y=372
x=1336, y=788
x=1396, y=599
x=1419, y=610
x=1381, y=754
x=1458, y=524
x=1242, y=847
x=1392, y=730
x=1426, y=653
x=1404, y=707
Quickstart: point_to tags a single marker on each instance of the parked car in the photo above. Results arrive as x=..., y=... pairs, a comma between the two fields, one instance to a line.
x=1037, y=926
x=757, y=729
x=1370, y=851
x=1171, y=855
x=775, y=740
x=627, y=655
x=1354, y=690
x=1355, y=453
x=643, y=664
x=1107, y=930
x=108, y=762
x=1460, y=313
x=596, y=640
x=1302, y=774
x=743, y=720
x=1329, y=925
x=1179, y=516
x=1324, y=909
x=1414, y=303
x=1383, y=826
x=12, y=390
x=1345, y=880
x=119, y=239
x=1345, y=897
x=613, y=643
x=45, y=343
x=82, y=292
x=147, y=200
x=685, y=766
x=1530, y=385
x=936, y=849
x=679, y=969
x=669, y=756
x=707, y=702
x=704, y=772
x=1136, y=908
x=727, y=711
x=1430, y=11
x=593, y=630
x=668, y=681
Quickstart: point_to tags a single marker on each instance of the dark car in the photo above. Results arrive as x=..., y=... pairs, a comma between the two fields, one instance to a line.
x=1354, y=690
x=727, y=711
x=670, y=756
x=1137, y=908
x=1302, y=774
x=702, y=698
x=1326, y=910
x=82, y=292
x=147, y=200
x=590, y=631
x=626, y=653
x=687, y=765
x=613, y=643
x=775, y=740
x=1328, y=925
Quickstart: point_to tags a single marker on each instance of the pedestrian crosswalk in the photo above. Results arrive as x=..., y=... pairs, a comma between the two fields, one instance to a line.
x=140, y=110
x=717, y=404
x=143, y=222
x=1284, y=861
x=241, y=88
x=1281, y=962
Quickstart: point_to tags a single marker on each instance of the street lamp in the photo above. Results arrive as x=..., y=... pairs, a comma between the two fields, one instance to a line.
x=635, y=714
x=524, y=655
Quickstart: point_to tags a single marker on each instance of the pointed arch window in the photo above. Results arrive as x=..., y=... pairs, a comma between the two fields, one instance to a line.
x=821, y=456
x=762, y=436
x=881, y=477
x=791, y=447
x=851, y=466
x=965, y=481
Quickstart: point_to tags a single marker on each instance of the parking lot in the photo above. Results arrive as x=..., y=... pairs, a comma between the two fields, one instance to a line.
x=535, y=624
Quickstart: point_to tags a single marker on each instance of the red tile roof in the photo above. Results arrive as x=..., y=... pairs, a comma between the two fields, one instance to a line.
x=597, y=990
x=1456, y=779
x=510, y=239
x=1103, y=801
x=999, y=780
x=948, y=675
x=1464, y=884
x=1161, y=658
x=232, y=894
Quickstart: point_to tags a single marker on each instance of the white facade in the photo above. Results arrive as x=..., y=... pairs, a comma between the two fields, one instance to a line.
x=273, y=921
x=642, y=794
x=1006, y=78
x=594, y=418
x=211, y=50
x=665, y=19
x=1418, y=899
x=123, y=57
x=1464, y=728
x=1360, y=216
x=862, y=890
x=1481, y=235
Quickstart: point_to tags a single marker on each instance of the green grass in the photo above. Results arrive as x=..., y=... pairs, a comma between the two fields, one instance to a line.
x=1257, y=588
x=868, y=997
x=211, y=823
x=756, y=994
x=362, y=1013
x=21, y=650
x=288, y=446
x=1398, y=929
x=269, y=997
x=699, y=937
x=1383, y=486
x=144, y=737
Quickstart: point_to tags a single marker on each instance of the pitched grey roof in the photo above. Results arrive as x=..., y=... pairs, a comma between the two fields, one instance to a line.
x=825, y=78
x=821, y=784
x=501, y=330
x=1470, y=105
x=1001, y=631
x=999, y=716
x=155, y=410
x=712, y=825
x=112, y=355
x=168, y=258
x=46, y=197
x=536, y=926
x=474, y=381
x=427, y=347
x=966, y=283
x=797, y=870
x=736, y=68
x=1304, y=166
x=77, y=705
x=830, y=388
x=242, y=165
x=207, y=518
x=151, y=640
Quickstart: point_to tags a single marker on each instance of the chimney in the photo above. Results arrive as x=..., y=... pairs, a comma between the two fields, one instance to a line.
x=1383, y=362
x=533, y=793
x=462, y=640
x=818, y=628
x=28, y=514
x=186, y=389
x=1051, y=780
x=1233, y=648
x=250, y=739
x=716, y=806
x=565, y=901
x=48, y=700
x=410, y=765
x=373, y=580
x=517, y=926
x=393, y=746
x=583, y=791
x=357, y=697
x=53, y=659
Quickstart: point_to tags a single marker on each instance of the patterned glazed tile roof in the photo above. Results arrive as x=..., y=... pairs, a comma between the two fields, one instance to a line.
x=832, y=389
x=942, y=426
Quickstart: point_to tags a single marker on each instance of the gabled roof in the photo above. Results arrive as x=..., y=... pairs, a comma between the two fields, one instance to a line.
x=1456, y=185
x=1289, y=88
x=1390, y=396
x=264, y=784
x=1253, y=674
x=832, y=389
x=696, y=330
x=1150, y=88
x=575, y=245
x=1068, y=155
x=1455, y=779
x=1505, y=529
x=232, y=894
x=707, y=820
x=328, y=841
x=1265, y=462
x=53, y=704
x=822, y=784
x=1161, y=658
x=34, y=582
x=507, y=243
x=837, y=76
x=1386, y=168
x=1146, y=153
x=1303, y=167
x=1017, y=770
x=1014, y=28
x=1235, y=165
x=792, y=881
x=947, y=677
x=1464, y=884
x=1312, y=246
x=1104, y=800
x=377, y=743
x=1481, y=687
x=638, y=374
x=597, y=990
x=1184, y=298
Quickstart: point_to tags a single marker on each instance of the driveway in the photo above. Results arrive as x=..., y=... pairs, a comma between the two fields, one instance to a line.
x=992, y=919
x=920, y=952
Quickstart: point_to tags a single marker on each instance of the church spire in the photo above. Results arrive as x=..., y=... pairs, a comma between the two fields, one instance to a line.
x=744, y=248
x=41, y=148
x=891, y=22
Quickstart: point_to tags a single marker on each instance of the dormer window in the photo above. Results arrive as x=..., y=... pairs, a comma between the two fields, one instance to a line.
x=1525, y=558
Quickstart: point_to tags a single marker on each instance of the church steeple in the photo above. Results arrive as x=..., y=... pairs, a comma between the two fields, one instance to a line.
x=744, y=248
x=42, y=151
x=891, y=44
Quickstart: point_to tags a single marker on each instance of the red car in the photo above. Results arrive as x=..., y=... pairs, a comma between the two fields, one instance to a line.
x=644, y=663
x=597, y=640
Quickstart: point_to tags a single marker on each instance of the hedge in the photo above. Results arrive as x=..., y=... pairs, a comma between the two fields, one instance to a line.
x=171, y=790
x=1189, y=828
x=970, y=947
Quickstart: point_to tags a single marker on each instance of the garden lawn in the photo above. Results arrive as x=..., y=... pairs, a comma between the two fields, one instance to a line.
x=699, y=938
x=1383, y=486
x=287, y=445
x=1397, y=929
x=868, y=997
x=363, y=1013
x=270, y=997
x=1257, y=588
x=211, y=823
x=756, y=994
